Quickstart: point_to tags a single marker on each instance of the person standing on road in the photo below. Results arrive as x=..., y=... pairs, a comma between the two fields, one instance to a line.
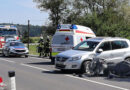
x=47, y=47
x=41, y=47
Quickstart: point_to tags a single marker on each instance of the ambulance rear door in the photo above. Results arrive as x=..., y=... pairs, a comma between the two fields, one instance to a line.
x=62, y=42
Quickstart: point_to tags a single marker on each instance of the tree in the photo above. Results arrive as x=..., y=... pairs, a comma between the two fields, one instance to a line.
x=105, y=17
x=56, y=9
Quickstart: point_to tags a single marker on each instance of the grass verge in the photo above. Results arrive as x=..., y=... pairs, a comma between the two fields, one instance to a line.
x=33, y=50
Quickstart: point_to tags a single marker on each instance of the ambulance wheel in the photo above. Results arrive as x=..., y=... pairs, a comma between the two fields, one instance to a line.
x=53, y=60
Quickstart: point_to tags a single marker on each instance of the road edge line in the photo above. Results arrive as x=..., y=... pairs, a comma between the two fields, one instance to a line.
x=100, y=83
x=34, y=67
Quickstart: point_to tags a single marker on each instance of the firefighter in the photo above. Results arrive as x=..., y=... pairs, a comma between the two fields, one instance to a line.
x=47, y=47
x=41, y=47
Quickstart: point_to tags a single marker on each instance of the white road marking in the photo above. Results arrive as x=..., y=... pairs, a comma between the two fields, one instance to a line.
x=100, y=83
x=34, y=67
x=7, y=60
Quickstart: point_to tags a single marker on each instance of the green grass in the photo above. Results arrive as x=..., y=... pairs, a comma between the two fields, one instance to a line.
x=32, y=50
x=35, y=39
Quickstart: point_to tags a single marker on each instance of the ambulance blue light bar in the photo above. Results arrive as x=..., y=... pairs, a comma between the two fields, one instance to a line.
x=73, y=26
x=58, y=26
x=67, y=26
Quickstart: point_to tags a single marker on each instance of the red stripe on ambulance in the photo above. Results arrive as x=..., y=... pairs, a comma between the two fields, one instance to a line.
x=78, y=31
x=64, y=30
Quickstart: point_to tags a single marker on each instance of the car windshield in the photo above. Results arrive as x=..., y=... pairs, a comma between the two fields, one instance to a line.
x=16, y=44
x=86, y=46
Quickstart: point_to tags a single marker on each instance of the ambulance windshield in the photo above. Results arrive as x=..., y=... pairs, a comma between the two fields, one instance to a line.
x=62, y=39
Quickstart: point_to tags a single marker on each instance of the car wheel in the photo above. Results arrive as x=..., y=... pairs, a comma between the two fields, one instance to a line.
x=106, y=72
x=26, y=56
x=127, y=59
x=7, y=54
x=3, y=53
x=62, y=70
x=86, y=67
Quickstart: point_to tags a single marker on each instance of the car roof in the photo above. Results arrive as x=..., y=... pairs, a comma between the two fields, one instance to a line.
x=99, y=39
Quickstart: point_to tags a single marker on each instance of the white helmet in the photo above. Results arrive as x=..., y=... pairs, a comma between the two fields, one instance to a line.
x=41, y=37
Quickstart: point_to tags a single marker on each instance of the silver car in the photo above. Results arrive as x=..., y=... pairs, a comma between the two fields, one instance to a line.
x=15, y=48
x=109, y=48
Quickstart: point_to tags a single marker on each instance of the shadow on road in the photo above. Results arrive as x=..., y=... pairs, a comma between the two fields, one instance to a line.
x=125, y=79
x=12, y=56
x=41, y=63
x=62, y=72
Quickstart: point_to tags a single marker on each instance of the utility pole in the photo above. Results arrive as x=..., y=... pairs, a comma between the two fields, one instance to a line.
x=28, y=32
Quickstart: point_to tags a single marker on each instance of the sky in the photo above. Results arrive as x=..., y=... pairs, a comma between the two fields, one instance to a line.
x=20, y=11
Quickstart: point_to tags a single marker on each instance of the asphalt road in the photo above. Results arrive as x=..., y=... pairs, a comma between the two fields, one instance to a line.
x=38, y=74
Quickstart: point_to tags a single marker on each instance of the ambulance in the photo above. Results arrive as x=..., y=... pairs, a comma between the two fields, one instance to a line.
x=7, y=32
x=67, y=36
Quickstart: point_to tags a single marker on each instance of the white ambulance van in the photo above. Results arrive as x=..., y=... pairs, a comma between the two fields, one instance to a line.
x=67, y=36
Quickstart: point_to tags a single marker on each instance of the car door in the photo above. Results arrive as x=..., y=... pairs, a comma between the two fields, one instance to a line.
x=106, y=52
x=118, y=50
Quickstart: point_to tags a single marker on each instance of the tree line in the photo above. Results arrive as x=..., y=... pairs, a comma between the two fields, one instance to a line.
x=105, y=17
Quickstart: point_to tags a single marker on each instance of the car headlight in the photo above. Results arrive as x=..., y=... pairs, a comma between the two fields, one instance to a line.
x=26, y=49
x=76, y=58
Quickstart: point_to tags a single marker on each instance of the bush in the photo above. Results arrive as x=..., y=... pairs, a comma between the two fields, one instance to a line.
x=25, y=40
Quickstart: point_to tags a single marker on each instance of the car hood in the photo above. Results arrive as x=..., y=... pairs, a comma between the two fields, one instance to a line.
x=18, y=47
x=72, y=53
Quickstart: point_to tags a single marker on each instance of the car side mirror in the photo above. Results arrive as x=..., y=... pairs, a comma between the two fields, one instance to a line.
x=100, y=50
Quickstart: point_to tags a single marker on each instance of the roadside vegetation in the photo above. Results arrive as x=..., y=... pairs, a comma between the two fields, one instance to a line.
x=33, y=50
x=105, y=17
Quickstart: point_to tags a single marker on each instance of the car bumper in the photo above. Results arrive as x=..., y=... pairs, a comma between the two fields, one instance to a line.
x=18, y=53
x=71, y=65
